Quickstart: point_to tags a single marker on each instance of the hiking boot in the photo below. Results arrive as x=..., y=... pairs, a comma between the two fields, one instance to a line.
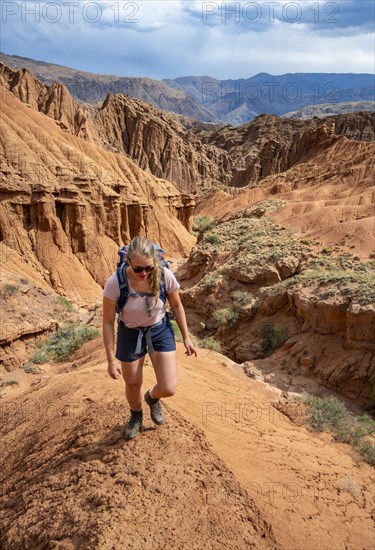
x=134, y=425
x=156, y=410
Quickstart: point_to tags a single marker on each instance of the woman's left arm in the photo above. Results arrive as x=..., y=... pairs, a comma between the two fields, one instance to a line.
x=179, y=312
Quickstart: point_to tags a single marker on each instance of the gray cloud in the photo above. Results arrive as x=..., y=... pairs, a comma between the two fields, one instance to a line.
x=166, y=39
x=354, y=16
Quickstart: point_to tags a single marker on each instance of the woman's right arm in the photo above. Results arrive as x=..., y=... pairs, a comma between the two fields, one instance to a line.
x=109, y=314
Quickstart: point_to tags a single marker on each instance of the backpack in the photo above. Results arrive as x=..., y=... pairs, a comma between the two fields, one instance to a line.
x=123, y=280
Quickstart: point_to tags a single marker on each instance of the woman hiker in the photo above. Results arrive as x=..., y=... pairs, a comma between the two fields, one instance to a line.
x=144, y=326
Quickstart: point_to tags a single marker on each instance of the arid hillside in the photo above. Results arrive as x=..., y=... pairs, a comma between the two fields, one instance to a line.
x=271, y=229
x=64, y=192
x=159, y=143
x=328, y=193
x=294, y=256
x=73, y=194
x=191, y=155
x=270, y=145
x=67, y=205
x=240, y=473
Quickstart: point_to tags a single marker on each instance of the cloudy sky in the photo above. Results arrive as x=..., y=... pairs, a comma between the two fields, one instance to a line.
x=172, y=38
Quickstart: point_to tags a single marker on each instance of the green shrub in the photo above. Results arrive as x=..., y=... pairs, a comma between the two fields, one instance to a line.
x=65, y=303
x=9, y=289
x=329, y=414
x=211, y=343
x=327, y=250
x=225, y=316
x=367, y=450
x=329, y=292
x=212, y=238
x=202, y=223
x=30, y=369
x=63, y=343
x=273, y=336
x=241, y=297
x=211, y=280
x=358, y=283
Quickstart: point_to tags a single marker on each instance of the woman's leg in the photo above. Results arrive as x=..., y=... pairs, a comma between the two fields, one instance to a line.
x=165, y=366
x=133, y=376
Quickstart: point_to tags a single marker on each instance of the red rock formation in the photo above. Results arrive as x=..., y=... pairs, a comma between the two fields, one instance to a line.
x=69, y=204
x=271, y=145
x=189, y=155
x=55, y=101
x=326, y=195
x=159, y=144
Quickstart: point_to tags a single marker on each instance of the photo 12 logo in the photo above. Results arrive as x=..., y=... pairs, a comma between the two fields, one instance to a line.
x=36, y=411
x=269, y=12
x=72, y=12
x=248, y=412
x=270, y=92
x=268, y=491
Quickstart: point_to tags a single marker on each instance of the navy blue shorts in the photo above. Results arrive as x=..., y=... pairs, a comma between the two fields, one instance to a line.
x=161, y=336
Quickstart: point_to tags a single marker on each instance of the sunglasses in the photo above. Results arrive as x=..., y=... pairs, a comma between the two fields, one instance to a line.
x=139, y=269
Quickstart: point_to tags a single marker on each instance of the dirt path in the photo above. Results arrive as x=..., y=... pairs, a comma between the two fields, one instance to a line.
x=227, y=470
x=70, y=480
x=317, y=494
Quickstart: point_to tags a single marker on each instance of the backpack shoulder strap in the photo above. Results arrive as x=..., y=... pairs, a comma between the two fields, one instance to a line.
x=162, y=285
x=124, y=287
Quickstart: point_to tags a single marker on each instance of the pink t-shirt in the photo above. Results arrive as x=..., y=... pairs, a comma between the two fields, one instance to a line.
x=134, y=313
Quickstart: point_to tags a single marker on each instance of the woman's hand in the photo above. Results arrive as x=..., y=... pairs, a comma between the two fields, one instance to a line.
x=179, y=312
x=114, y=370
x=190, y=349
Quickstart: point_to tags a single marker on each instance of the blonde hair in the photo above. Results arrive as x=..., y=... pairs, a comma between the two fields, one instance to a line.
x=140, y=246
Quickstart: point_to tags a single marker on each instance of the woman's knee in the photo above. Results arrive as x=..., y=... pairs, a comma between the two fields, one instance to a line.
x=133, y=386
x=132, y=373
x=168, y=390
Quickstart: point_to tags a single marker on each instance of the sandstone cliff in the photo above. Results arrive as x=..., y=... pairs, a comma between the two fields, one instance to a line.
x=67, y=205
x=159, y=144
x=254, y=265
x=67, y=195
x=282, y=304
x=270, y=144
x=54, y=101
x=193, y=158
x=157, y=141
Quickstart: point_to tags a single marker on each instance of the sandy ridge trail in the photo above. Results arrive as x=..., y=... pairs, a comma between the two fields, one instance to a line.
x=227, y=470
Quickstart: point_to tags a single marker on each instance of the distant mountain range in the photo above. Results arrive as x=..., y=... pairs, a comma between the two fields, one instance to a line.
x=238, y=101
x=210, y=100
x=331, y=109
